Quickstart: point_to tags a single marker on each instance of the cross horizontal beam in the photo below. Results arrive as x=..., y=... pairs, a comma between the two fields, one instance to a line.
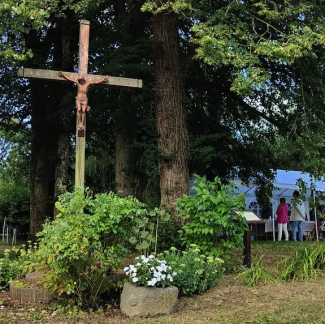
x=54, y=76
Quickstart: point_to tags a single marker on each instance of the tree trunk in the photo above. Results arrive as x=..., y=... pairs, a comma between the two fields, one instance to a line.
x=43, y=140
x=173, y=140
x=43, y=155
x=50, y=126
x=61, y=169
x=63, y=59
x=124, y=176
x=126, y=155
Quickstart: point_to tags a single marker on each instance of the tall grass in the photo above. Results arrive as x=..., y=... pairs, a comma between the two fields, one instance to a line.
x=306, y=263
x=256, y=274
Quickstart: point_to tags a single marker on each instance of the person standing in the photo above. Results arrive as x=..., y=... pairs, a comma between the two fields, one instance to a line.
x=282, y=219
x=298, y=215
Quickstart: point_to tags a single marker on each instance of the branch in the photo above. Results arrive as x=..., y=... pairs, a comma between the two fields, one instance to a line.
x=258, y=113
x=266, y=23
x=275, y=6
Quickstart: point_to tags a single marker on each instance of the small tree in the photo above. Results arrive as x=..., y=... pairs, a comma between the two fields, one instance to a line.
x=211, y=222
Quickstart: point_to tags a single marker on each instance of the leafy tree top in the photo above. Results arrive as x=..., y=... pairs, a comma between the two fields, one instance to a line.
x=20, y=17
x=246, y=34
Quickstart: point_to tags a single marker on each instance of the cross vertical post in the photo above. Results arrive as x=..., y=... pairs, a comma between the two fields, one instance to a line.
x=83, y=49
x=80, y=134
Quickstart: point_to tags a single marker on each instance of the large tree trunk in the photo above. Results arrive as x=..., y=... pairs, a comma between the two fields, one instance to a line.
x=63, y=59
x=126, y=154
x=173, y=140
x=50, y=128
x=124, y=176
x=43, y=141
x=61, y=169
x=43, y=156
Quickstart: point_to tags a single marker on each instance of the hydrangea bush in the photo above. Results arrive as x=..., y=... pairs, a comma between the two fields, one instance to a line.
x=150, y=272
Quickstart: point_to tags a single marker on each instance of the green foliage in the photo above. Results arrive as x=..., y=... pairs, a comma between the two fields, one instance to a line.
x=150, y=272
x=303, y=187
x=147, y=233
x=246, y=34
x=168, y=235
x=196, y=273
x=14, y=180
x=262, y=54
x=27, y=258
x=307, y=263
x=211, y=222
x=256, y=274
x=86, y=243
x=9, y=269
x=19, y=18
x=264, y=191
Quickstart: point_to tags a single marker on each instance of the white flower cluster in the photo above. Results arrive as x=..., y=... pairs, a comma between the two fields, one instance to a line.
x=150, y=271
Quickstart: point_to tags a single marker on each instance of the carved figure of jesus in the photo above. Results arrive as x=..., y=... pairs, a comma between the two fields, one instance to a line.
x=82, y=99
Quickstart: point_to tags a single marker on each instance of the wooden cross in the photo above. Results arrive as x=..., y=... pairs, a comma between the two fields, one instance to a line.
x=83, y=81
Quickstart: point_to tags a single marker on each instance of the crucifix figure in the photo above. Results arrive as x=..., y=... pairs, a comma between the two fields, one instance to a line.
x=82, y=99
x=83, y=81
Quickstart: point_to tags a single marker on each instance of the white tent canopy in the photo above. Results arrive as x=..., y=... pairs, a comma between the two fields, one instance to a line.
x=285, y=184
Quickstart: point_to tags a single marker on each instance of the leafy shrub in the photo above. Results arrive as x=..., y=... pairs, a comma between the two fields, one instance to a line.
x=211, y=223
x=150, y=272
x=145, y=236
x=9, y=269
x=168, y=235
x=195, y=273
x=85, y=243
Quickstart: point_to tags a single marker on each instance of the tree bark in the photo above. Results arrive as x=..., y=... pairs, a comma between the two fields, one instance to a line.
x=126, y=155
x=63, y=58
x=173, y=140
x=43, y=141
x=43, y=155
x=61, y=169
x=124, y=176
x=50, y=127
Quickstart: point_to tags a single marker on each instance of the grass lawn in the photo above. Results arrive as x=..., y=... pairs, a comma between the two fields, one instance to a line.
x=230, y=302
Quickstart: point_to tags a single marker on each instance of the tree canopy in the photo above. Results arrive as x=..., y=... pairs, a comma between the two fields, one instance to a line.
x=248, y=78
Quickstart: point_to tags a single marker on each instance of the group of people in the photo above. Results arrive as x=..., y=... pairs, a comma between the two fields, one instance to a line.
x=298, y=215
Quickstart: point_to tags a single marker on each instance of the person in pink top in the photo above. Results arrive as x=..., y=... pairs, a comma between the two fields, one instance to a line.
x=282, y=219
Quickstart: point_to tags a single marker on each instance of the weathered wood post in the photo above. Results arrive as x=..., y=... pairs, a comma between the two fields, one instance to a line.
x=247, y=247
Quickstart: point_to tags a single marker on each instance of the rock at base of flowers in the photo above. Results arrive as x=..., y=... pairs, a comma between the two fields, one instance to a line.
x=148, y=302
x=30, y=294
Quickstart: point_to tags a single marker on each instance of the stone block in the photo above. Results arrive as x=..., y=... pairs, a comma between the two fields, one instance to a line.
x=30, y=294
x=34, y=277
x=148, y=302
